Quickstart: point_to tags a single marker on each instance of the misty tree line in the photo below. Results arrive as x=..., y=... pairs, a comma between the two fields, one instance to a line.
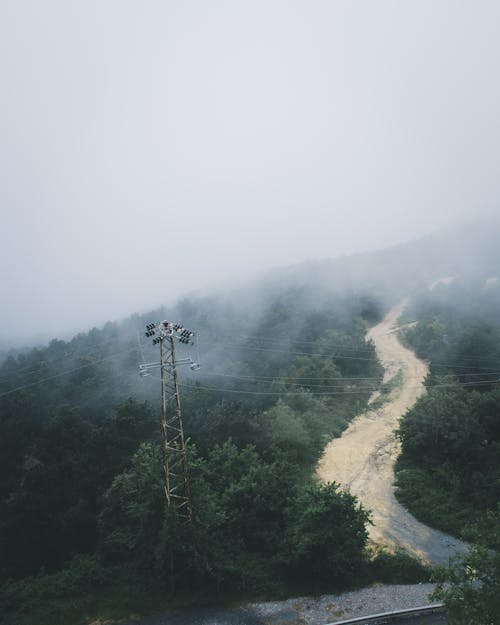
x=80, y=475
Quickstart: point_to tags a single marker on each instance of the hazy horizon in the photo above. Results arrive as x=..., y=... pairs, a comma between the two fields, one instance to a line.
x=151, y=152
x=224, y=284
x=233, y=287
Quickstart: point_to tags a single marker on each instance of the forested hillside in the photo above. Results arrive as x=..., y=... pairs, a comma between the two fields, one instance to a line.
x=449, y=470
x=80, y=468
x=284, y=367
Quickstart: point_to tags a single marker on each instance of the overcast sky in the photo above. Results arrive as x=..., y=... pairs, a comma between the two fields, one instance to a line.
x=152, y=148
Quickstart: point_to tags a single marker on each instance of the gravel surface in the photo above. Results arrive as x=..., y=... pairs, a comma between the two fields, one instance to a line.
x=331, y=608
x=302, y=610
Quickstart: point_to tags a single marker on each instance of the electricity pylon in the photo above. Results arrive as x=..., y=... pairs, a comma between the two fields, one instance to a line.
x=175, y=466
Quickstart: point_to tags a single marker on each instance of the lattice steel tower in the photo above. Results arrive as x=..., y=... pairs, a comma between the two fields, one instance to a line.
x=175, y=466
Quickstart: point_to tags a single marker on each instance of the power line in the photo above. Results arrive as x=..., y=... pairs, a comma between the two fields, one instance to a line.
x=284, y=379
x=331, y=393
x=360, y=349
x=344, y=357
x=63, y=373
x=466, y=365
x=493, y=371
x=34, y=367
x=284, y=340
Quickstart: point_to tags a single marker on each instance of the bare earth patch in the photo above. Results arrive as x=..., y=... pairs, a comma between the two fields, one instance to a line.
x=362, y=459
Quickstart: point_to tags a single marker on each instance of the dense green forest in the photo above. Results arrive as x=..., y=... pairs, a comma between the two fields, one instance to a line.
x=448, y=474
x=449, y=471
x=83, y=528
x=81, y=505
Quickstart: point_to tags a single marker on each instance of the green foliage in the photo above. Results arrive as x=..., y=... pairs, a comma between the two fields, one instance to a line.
x=240, y=531
x=211, y=423
x=435, y=497
x=253, y=528
x=49, y=513
x=458, y=331
x=58, y=598
x=81, y=470
x=449, y=472
x=470, y=586
x=398, y=568
x=442, y=426
x=326, y=540
x=131, y=515
x=288, y=432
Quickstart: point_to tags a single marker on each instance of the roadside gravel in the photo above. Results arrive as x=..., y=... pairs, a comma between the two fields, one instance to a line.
x=331, y=608
x=321, y=610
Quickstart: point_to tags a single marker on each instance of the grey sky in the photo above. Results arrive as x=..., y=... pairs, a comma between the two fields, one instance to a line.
x=151, y=148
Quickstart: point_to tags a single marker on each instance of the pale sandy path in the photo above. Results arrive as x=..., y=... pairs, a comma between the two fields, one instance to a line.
x=362, y=459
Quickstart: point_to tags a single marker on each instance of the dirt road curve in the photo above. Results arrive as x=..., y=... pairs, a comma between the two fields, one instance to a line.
x=362, y=459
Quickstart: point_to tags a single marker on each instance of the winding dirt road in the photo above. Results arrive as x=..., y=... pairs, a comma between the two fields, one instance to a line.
x=362, y=459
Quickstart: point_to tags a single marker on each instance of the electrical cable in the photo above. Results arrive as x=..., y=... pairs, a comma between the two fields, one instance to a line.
x=58, y=375
x=343, y=357
x=328, y=394
x=251, y=378
x=494, y=371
